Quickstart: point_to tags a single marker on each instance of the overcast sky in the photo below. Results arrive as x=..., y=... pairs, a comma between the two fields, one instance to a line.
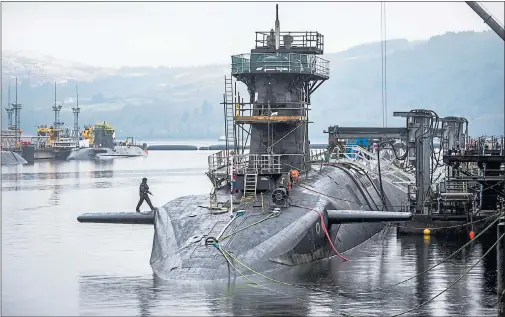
x=177, y=34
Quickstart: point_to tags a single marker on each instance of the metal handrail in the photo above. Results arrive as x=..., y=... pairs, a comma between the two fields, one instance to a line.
x=319, y=155
x=217, y=161
x=260, y=109
x=282, y=62
x=300, y=39
x=368, y=160
x=257, y=163
x=246, y=163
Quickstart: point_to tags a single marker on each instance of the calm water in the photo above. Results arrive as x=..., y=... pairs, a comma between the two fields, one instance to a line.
x=53, y=265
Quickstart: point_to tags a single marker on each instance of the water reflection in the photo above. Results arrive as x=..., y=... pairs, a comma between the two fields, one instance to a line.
x=379, y=263
x=54, y=198
x=101, y=269
x=152, y=296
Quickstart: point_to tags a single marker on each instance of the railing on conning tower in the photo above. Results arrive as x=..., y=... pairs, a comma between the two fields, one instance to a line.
x=308, y=42
x=245, y=163
x=257, y=163
x=281, y=63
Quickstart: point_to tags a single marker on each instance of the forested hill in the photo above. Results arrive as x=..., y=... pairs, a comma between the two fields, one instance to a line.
x=456, y=74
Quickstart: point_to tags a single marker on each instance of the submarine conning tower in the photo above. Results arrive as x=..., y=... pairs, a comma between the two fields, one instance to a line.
x=281, y=73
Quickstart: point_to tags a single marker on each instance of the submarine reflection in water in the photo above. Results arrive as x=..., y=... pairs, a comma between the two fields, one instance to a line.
x=153, y=296
x=382, y=261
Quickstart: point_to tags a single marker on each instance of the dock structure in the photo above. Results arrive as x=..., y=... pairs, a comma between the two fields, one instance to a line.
x=500, y=264
x=281, y=72
x=477, y=167
x=460, y=184
x=415, y=142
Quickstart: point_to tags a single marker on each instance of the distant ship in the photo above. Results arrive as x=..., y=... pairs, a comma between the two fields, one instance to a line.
x=99, y=142
x=61, y=144
x=8, y=143
x=12, y=158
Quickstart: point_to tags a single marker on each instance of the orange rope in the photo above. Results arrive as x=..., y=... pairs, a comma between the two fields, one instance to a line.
x=326, y=232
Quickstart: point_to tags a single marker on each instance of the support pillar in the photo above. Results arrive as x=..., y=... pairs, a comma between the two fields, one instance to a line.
x=500, y=254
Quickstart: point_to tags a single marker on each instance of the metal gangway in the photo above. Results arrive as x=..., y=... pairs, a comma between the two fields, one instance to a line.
x=368, y=160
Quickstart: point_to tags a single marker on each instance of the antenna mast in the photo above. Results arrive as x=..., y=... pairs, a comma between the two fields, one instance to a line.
x=277, y=28
x=9, y=110
x=17, y=116
x=76, y=111
x=56, y=109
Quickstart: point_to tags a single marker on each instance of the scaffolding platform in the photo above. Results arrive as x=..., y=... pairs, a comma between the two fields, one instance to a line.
x=474, y=158
x=269, y=119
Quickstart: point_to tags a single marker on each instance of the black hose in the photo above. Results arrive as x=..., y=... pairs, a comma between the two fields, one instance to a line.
x=356, y=183
x=353, y=167
x=380, y=175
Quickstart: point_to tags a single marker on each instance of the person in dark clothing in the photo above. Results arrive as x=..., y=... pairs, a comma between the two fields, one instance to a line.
x=143, y=193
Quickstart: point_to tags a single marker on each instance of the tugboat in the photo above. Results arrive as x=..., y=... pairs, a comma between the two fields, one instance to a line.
x=63, y=147
x=60, y=144
x=274, y=206
x=99, y=142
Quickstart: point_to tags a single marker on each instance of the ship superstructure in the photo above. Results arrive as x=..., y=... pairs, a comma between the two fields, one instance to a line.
x=280, y=73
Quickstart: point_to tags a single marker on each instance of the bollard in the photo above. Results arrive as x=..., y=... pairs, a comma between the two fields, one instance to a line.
x=500, y=258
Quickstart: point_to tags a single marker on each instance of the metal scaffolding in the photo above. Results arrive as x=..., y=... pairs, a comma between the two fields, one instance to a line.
x=76, y=110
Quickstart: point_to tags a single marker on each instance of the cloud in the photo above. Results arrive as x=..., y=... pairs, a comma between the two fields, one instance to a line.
x=118, y=34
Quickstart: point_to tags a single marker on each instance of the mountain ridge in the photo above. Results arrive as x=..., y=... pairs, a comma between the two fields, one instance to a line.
x=453, y=74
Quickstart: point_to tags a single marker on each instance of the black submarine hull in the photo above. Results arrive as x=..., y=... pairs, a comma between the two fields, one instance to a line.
x=292, y=237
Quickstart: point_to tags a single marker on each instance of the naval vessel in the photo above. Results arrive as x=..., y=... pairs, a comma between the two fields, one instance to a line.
x=258, y=213
x=99, y=143
x=12, y=158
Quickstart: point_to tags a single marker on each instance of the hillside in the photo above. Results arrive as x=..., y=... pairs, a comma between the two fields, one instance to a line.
x=457, y=74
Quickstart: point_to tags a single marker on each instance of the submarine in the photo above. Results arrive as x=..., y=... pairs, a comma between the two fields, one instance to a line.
x=12, y=158
x=259, y=212
x=104, y=146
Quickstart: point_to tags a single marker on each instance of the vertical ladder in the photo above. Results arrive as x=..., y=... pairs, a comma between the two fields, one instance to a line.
x=445, y=148
x=229, y=112
x=250, y=183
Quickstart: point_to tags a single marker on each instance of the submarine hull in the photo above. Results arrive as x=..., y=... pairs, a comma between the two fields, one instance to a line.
x=12, y=158
x=293, y=236
x=83, y=154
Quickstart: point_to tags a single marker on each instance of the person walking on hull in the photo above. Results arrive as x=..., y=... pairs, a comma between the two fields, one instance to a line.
x=143, y=193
